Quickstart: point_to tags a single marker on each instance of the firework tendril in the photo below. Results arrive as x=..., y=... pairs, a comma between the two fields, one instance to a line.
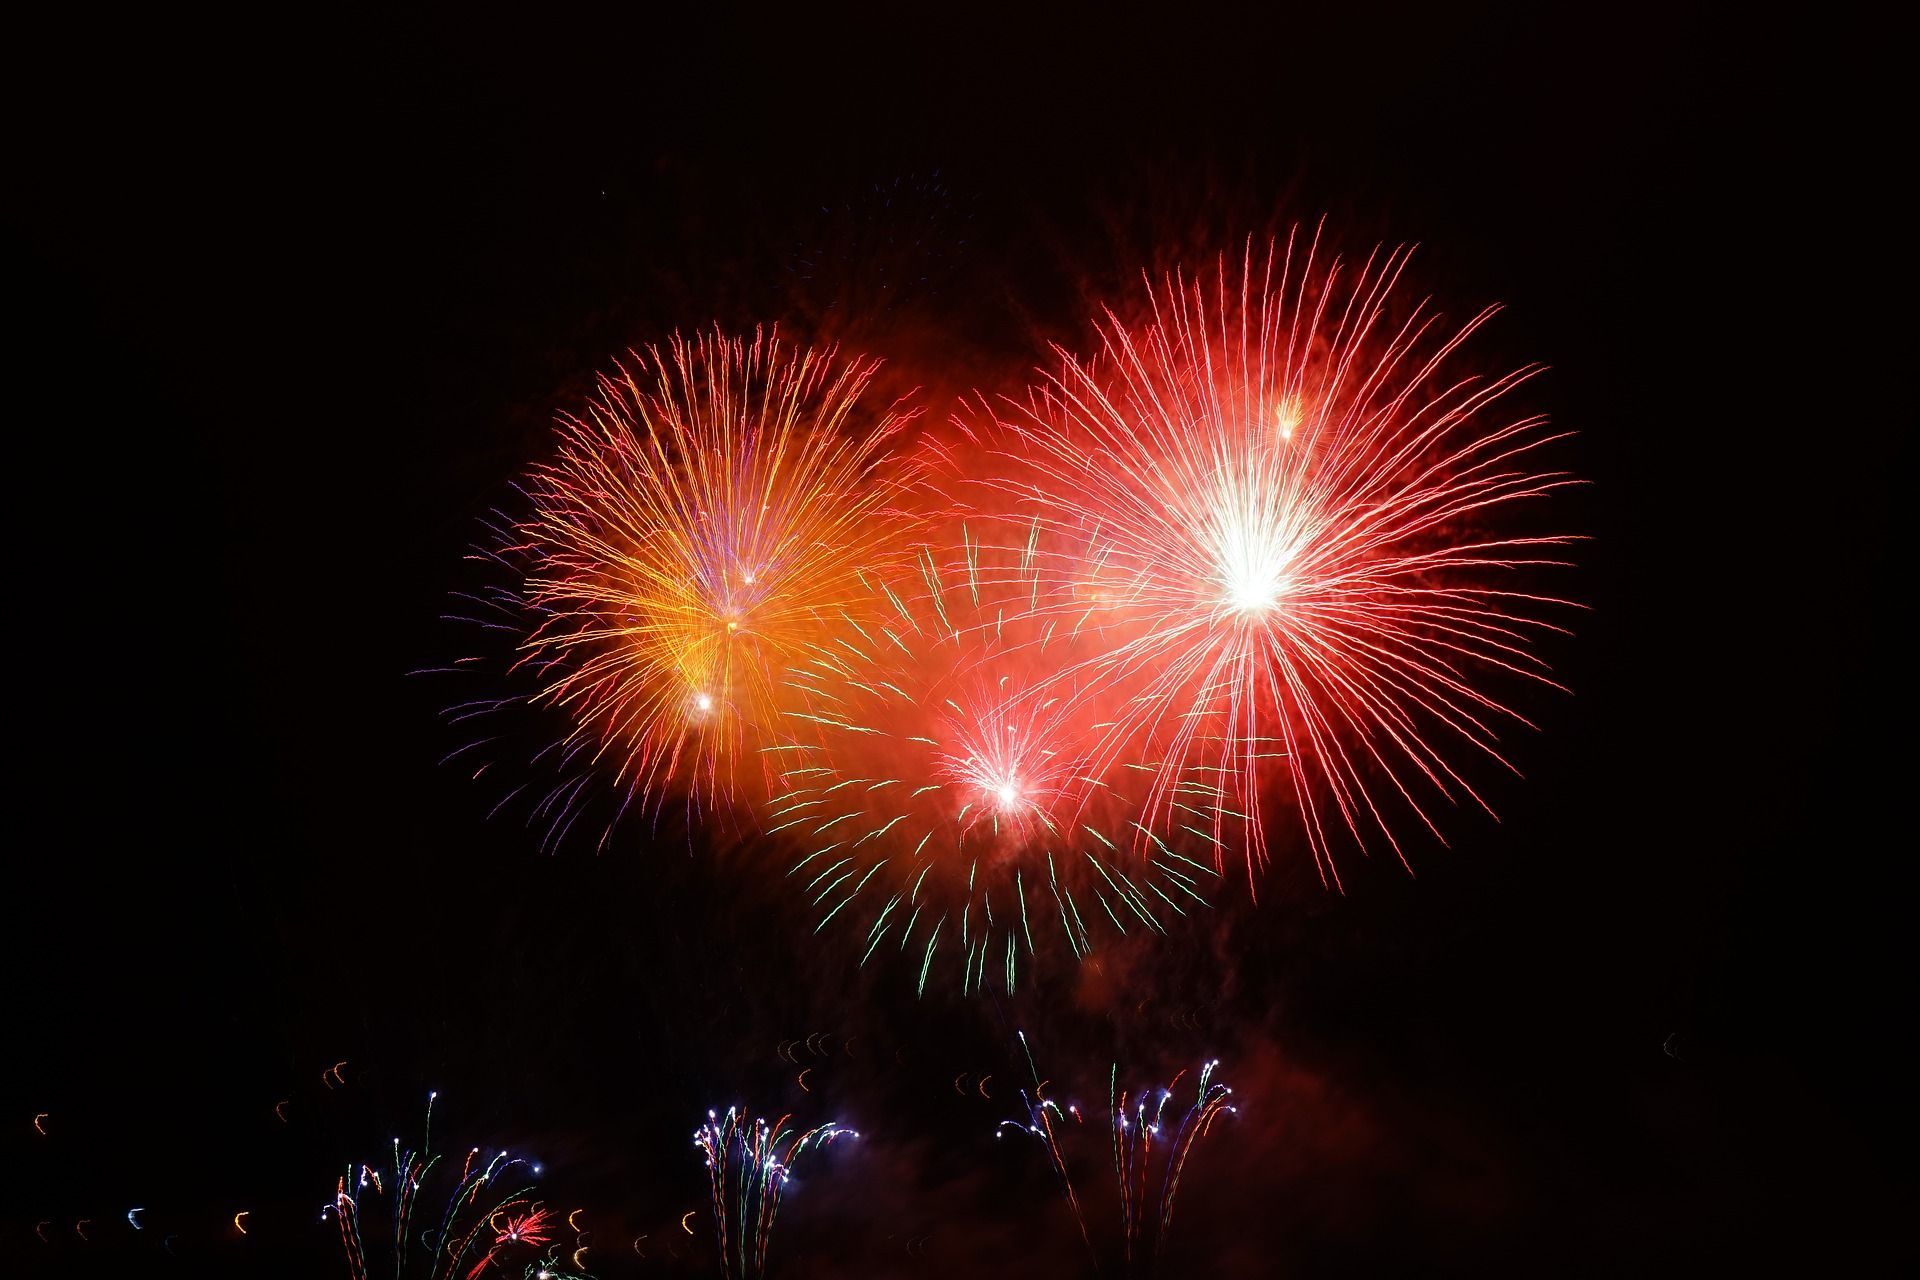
x=749, y=1162
x=483, y=1219
x=1150, y=1151
x=1139, y=1123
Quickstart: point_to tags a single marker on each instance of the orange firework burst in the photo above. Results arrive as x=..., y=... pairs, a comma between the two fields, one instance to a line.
x=715, y=503
x=1288, y=497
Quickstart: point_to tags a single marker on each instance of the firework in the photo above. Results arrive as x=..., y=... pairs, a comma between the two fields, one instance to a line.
x=488, y=1214
x=714, y=503
x=1140, y=1125
x=1291, y=502
x=748, y=1164
x=935, y=772
x=1150, y=1150
x=1045, y=1120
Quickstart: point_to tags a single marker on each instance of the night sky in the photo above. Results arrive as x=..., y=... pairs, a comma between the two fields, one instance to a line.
x=296, y=299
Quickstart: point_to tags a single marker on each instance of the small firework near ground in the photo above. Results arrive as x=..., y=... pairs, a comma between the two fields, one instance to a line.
x=1153, y=1131
x=749, y=1163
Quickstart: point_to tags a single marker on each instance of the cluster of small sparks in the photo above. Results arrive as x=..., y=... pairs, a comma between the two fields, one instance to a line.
x=1050, y=664
x=489, y=1215
x=749, y=1162
x=1150, y=1150
x=1045, y=1119
x=1140, y=1125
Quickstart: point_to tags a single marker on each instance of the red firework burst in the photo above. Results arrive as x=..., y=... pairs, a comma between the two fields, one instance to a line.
x=934, y=773
x=1290, y=505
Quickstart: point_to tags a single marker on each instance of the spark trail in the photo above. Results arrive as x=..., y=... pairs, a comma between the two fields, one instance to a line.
x=749, y=1163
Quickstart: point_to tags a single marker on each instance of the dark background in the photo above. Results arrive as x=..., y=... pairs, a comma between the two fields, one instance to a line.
x=295, y=299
